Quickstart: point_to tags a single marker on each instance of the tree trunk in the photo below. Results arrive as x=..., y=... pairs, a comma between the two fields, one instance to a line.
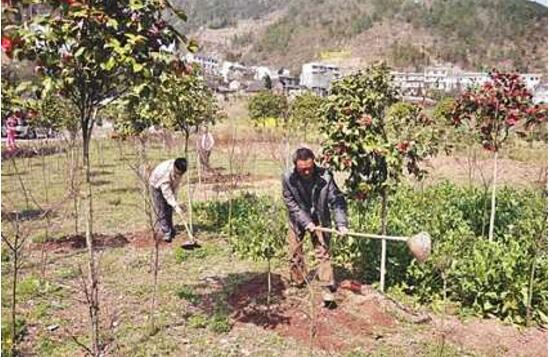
x=493, y=207
x=14, y=297
x=73, y=178
x=44, y=251
x=530, y=292
x=269, y=284
x=93, y=283
x=189, y=200
x=383, y=241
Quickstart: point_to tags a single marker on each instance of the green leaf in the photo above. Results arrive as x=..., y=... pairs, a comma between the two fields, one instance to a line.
x=192, y=46
x=109, y=65
x=137, y=67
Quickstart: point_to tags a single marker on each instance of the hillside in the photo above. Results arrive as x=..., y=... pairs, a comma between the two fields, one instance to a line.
x=479, y=34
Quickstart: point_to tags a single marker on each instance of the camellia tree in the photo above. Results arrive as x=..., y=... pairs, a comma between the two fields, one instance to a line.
x=304, y=112
x=93, y=52
x=495, y=110
x=374, y=138
x=266, y=105
x=188, y=103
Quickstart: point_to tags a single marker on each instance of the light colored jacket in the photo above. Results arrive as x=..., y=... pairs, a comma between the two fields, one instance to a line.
x=205, y=142
x=165, y=178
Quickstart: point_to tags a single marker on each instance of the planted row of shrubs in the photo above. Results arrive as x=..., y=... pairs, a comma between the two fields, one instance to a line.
x=504, y=278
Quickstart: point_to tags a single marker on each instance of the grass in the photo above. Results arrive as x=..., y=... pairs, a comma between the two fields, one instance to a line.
x=125, y=289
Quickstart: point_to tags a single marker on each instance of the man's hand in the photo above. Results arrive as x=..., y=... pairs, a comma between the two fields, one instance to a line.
x=310, y=227
x=179, y=210
x=343, y=230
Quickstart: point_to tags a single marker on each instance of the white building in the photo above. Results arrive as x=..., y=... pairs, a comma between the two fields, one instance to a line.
x=260, y=72
x=448, y=79
x=209, y=64
x=318, y=76
x=232, y=70
x=531, y=80
x=540, y=94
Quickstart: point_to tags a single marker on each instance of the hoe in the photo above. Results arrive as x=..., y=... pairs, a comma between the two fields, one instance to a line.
x=191, y=243
x=419, y=244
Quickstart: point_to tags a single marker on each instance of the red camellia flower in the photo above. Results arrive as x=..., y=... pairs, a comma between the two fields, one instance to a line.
x=365, y=120
x=511, y=119
x=403, y=147
x=7, y=43
x=489, y=146
x=346, y=162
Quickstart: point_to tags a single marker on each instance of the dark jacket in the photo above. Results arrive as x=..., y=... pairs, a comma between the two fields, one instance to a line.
x=326, y=197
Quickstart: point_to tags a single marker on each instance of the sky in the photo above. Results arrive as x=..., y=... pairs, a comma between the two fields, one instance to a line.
x=543, y=2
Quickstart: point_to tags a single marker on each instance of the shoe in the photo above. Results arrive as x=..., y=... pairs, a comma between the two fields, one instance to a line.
x=167, y=238
x=328, y=297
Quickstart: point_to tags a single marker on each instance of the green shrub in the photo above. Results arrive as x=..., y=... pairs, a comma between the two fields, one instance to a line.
x=8, y=335
x=198, y=321
x=219, y=324
x=187, y=293
x=180, y=255
x=486, y=278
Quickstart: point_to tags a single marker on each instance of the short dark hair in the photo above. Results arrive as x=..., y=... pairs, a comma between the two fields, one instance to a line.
x=181, y=164
x=303, y=153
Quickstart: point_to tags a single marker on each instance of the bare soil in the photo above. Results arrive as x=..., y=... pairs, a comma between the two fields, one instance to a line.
x=289, y=314
x=364, y=316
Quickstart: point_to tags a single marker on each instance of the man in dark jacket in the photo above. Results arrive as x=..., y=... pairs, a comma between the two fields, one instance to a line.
x=310, y=194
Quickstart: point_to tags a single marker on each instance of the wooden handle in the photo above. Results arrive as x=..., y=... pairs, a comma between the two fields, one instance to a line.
x=187, y=227
x=363, y=235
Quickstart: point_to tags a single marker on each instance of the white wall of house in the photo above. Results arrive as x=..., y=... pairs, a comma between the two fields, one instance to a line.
x=318, y=75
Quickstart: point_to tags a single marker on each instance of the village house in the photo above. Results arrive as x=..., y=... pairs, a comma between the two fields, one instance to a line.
x=318, y=77
x=209, y=64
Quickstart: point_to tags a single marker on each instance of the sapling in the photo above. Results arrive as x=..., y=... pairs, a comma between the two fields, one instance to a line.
x=375, y=139
x=495, y=110
x=68, y=62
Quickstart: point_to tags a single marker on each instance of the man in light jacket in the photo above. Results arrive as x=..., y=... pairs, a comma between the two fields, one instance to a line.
x=164, y=182
x=311, y=194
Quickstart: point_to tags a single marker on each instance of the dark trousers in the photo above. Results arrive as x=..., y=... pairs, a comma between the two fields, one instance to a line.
x=163, y=213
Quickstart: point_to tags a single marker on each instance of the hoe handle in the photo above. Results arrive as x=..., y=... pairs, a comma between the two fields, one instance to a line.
x=187, y=227
x=363, y=235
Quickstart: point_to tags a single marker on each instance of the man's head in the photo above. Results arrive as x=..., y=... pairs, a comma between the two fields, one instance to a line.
x=180, y=165
x=304, y=161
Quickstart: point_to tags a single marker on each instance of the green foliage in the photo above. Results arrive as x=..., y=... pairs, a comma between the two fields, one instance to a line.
x=187, y=293
x=257, y=225
x=181, y=255
x=304, y=112
x=219, y=323
x=276, y=37
x=198, y=320
x=407, y=54
x=216, y=323
x=497, y=108
x=222, y=13
x=266, y=105
x=485, y=278
x=55, y=111
x=189, y=102
x=134, y=43
x=372, y=137
x=8, y=335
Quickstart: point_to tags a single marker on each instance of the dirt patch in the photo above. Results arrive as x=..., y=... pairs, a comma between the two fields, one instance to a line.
x=27, y=151
x=492, y=337
x=289, y=314
x=75, y=242
x=139, y=239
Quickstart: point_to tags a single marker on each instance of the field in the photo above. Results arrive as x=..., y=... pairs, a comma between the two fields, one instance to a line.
x=210, y=301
